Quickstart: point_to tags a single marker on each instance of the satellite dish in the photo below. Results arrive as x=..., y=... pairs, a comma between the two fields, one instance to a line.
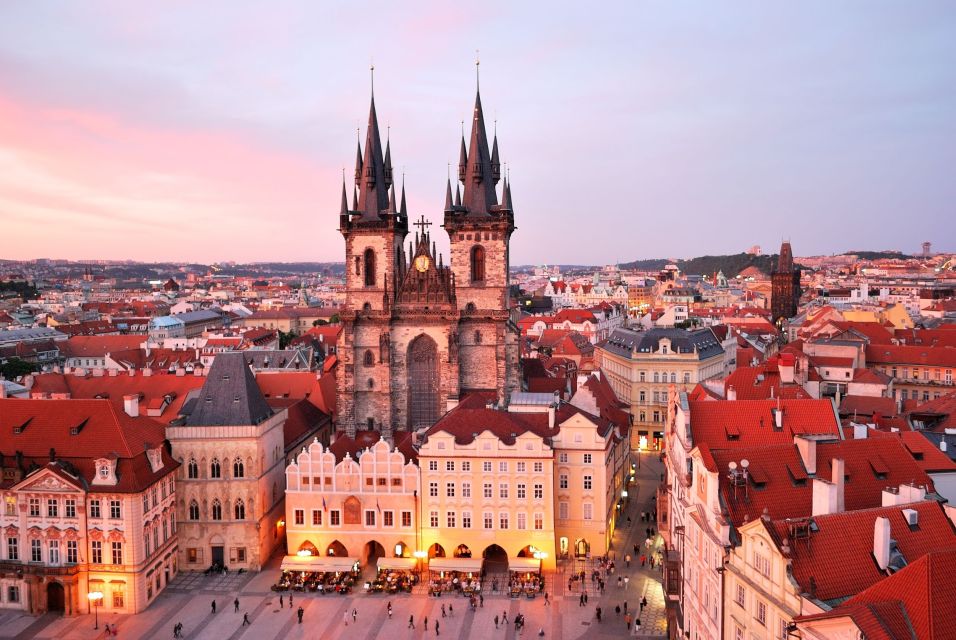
x=745, y=463
x=732, y=465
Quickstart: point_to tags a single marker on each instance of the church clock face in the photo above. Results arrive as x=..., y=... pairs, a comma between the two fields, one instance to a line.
x=421, y=263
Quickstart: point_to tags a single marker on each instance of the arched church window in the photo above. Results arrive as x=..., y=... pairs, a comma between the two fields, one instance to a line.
x=215, y=471
x=470, y=307
x=238, y=468
x=477, y=264
x=358, y=265
x=367, y=306
x=369, y=268
x=240, y=510
x=371, y=383
x=193, y=469
x=369, y=358
x=477, y=337
x=194, y=510
x=216, y=509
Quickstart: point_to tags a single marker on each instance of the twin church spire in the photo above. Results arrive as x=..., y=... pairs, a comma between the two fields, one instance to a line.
x=479, y=171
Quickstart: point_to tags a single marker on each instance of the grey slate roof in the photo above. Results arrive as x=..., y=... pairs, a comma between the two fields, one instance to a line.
x=230, y=395
x=203, y=315
x=631, y=344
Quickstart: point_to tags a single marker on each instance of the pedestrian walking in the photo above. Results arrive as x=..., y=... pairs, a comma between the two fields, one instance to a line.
x=598, y=614
x=290, y=600
x=547, y=602
x=636, y=547
x=354, y=614
x=540, y=632
x=627, y=620
x=176, y=630
x=581, y=600
x=481, y=600
x=411, y=621
x=443, y=613
x=617, y=610
x=389, y=609
x=496, y=622
x=299, y=613
x=643, y=603
x=627, y=579
x=245, y=619
x=637, y=624
x=281, y=605
x=504, y=617
x=451, y=610
x=214, y=606
x=425, y=625
x=585, y=597
x=236, y=605
x=643, y=559
x=627, y=560
x=436, y=627
x=629, y=521
x=620, y=582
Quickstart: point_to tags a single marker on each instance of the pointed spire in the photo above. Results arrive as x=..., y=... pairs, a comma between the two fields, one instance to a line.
x=448, y=202
x=388, y=160
x=495, y=163
x=462, y=159
x=373, y=194
x=355, y=199
x=391, y=200
x=457, y=196
x=358, y=161
x=507, y=196
x=403, y=210
x=345, y=200
x=479, y=182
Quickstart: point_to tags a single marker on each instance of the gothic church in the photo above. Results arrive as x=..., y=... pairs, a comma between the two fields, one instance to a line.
x=418, y=334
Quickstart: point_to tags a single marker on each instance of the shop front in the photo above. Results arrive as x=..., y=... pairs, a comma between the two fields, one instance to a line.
x=454, y=575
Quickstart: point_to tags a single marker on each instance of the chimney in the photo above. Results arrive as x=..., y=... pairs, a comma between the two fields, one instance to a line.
x=131, y=405
x=942, y=445
x=731, y=393
x=881, y=542
x=778, y=416
x=180, y=372
x=838, y=467
x=551, y=417
x=3, y=390
x=808, y=453
x=824, y=497
x=147, y=372
x=911, y=516
x=786, y=367
x=113, y=373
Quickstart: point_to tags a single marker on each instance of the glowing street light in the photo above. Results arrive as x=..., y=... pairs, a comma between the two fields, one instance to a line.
x=95, y=598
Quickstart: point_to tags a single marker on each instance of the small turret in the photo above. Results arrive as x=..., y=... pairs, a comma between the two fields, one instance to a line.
x=495, y=163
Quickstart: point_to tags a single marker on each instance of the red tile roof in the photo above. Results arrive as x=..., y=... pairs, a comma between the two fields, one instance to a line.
x=863, y=406
x=98, y=346
x=754, y=419
x=102, y=432
x=919, y=355
x=839, y=556
x=761, y=383
x=364, y=439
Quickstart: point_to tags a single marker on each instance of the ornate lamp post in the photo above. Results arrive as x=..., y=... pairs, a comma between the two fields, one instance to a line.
x=95, y=598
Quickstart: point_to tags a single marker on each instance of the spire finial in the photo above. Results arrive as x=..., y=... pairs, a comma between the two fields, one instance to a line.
x=371, y=70
x=477, y=71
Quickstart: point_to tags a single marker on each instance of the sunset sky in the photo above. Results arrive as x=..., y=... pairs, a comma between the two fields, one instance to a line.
x=218, y=130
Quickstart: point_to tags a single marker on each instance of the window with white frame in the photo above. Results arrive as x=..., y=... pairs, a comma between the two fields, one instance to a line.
x=520, y=467
x=486, y=490
x=450, y=489
x=587, y=458
x=538, y=521
x=433, y=519
x=522, y=491
x=502, y=489
x=433, y=465
x=433, y=489
x=466, y=465
x=521, y=520
x=451, y=519
x=563, y=481
x=761, y=613
x=70, y=508
x=466, y=520
x=502, y=466
x=503, y=519
x=587, y=511
x=562, y=511
x=486, y=466
x=465, y=489
x=449, y=465
x=36, y=551
x=587, y=483
x=539, y=467
x=13, y=548
x=487, y=520
x=538, y=491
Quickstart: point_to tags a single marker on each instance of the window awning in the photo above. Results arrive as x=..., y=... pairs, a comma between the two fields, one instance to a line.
x=522, y=565
x=400, y=564
x=455, y=564
x=317, y=563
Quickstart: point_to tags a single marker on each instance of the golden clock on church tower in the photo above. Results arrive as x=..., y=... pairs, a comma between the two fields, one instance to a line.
x=421, y=263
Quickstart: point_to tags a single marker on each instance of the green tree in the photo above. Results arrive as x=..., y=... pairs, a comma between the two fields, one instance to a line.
x=286, y=338
x=15, y=367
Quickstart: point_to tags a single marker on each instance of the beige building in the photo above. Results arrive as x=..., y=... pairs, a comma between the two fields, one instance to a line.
x=231, y=445
x=358, y=499
x=88, y=506
x=642, y=365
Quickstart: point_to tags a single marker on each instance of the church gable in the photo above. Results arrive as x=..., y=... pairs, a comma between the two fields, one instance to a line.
x=424, y=283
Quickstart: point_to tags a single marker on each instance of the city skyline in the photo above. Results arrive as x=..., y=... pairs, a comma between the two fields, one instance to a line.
x=166, y=136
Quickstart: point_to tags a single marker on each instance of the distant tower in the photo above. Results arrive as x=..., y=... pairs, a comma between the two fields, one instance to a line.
x=927, y=249
x=785, y=286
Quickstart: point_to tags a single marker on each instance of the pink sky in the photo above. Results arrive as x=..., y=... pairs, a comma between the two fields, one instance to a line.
x=219, y=131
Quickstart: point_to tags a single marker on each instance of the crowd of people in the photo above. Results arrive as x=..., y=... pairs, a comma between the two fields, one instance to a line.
x=453, y=581
x=392, y=581
x=321, y=582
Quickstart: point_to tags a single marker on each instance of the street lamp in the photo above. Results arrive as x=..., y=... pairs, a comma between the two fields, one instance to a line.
x=421, y=555
x=95, y=598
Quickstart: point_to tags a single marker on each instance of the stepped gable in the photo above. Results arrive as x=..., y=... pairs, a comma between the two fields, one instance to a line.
x=229, y=396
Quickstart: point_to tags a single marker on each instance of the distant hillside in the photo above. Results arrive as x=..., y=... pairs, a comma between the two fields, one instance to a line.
x=731, y=265
x=878, y=255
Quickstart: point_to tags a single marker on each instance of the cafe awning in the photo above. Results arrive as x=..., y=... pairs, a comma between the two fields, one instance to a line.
x=455, y=564
x=317, y=563
x=522, y=565
x=399, y=564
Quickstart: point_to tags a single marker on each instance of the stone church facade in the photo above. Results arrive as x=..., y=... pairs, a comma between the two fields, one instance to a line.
x=417, y=333
x=785, y=286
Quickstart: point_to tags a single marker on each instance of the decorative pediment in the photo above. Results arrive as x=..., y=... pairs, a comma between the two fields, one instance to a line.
x=47, y=481
x=105, y=471
x=96, y=534
x=116, y=535
x=155, y=457
x=11, y=531
x=52, y=533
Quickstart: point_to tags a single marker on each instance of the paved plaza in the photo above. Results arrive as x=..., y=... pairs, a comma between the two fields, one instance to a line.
x=189, y=600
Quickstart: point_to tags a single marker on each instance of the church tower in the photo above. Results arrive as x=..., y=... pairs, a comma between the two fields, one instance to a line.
x=479, y=230
x=416, y=333
x=374, y=231
x=784, y=286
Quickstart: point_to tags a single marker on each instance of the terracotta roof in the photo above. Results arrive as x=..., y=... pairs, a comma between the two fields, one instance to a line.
x=102, y=431
x=941, y=337
x=831, y=361
x=839, y=556
x=862, y=406
x=471, y=417
x=574, y=316
x=936, y=415
x=98, y=346
x=741, y=423
x=303, y=419
x=870, y=376
x=343, y=445
x=761, y=383
x=919, y=355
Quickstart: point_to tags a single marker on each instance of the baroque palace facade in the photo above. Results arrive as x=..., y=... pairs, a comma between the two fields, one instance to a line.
x=439, y=453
